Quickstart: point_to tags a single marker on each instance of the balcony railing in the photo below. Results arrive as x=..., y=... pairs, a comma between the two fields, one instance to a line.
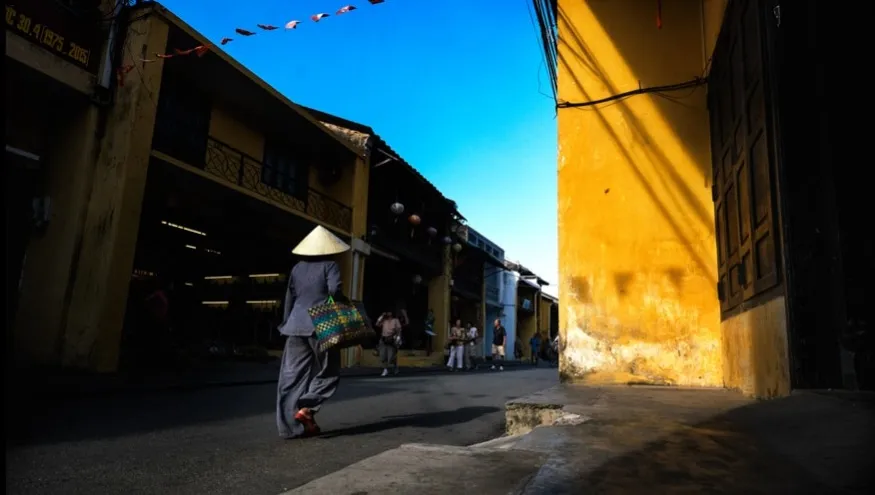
x=236, y=167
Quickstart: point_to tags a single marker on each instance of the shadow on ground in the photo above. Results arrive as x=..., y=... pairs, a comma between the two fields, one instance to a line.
x=43, y=421
x=804, y=444
x=437, y=419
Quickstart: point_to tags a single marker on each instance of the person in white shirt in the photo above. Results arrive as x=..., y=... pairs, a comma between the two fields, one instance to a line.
x=458, y=336
x=472, y=347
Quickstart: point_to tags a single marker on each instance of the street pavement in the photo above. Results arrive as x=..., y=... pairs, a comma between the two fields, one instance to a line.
x=223, y=440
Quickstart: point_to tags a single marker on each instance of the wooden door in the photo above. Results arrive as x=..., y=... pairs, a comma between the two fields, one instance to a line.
x=742, y=159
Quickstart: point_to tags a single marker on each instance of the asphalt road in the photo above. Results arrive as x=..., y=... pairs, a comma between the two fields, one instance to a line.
x=224, y=441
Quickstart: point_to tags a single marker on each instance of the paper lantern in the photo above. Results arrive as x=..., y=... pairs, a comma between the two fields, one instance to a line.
x=414, y=219
x=417, y=279
x=397, y=208
x=431, y=231
x=457, y=247
x=447, y=240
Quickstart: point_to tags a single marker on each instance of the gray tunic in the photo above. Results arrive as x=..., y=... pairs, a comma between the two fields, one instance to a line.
x=310, y=284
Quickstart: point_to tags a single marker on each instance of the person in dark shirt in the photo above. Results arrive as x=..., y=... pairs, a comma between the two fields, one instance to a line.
x=535, y=346
x=499, y=340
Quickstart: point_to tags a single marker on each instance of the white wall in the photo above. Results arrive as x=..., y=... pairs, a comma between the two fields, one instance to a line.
x=508, y=300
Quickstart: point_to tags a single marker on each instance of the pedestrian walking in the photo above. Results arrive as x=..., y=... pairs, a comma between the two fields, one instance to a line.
x=390, y=341
x=472, y=347
x=499, y=341
x=308, y=377
x=534, y=347
x=457, y=347
x=429, y=332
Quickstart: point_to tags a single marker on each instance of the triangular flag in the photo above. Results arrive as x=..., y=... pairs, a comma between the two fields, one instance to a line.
x=225, y=41
x=201, y=50
x=344, y=10
x=267, y=27
x=318, y=17
x=244, y=32
x=375, y=2
x=292, y=24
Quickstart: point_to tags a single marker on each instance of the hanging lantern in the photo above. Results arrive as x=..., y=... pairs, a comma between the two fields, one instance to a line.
x=417, y=279
x=447, y=240
x=431, y=231
x=414, y=219
x=457, y=247
x=396, y=208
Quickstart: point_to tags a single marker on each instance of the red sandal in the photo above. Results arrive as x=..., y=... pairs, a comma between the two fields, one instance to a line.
x=305, y=417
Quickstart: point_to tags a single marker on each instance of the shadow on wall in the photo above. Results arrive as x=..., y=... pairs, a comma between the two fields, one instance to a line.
x=690, y=210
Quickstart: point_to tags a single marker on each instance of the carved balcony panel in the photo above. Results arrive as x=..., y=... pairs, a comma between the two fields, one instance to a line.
x=235, y=167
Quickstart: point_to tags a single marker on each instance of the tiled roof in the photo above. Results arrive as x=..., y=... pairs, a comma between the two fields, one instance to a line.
x=357, y=138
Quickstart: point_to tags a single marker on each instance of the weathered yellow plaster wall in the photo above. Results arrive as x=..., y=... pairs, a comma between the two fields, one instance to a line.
x=439, y=302
x=102, y=268
x=47, y=274
x=756, y=359
x=527, y=323
x=712, y=21
x=544, y=306
x=637, y=251
x=227, y=129
x=342, y=190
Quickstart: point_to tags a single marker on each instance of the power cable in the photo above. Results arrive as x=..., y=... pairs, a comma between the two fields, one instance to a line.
x=692, y=83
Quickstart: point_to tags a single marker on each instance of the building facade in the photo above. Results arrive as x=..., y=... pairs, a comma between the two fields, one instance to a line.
x=493, y=285
x=192, y=176
x=708, y=260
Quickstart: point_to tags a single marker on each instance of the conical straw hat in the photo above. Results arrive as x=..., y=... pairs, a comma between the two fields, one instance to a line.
x=320, y=242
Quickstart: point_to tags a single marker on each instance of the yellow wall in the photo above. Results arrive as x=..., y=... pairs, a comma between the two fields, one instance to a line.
x=42, y=304
x=756, y=359
x=527, y=323
x=637, y=250
x=229, y=130
x=69, y=163
x=103, y=265
x=544, y=316
x=439, y=302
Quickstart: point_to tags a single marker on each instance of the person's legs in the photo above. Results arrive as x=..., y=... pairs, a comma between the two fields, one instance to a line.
x=460, y=357
x=393, y=357
x=325, y=370
x=385, y=358
x=293, y=383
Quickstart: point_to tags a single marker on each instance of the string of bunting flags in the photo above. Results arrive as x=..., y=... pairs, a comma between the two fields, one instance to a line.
x=201, y=50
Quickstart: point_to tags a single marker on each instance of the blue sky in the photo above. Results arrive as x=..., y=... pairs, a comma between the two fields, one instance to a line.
x=457, y=87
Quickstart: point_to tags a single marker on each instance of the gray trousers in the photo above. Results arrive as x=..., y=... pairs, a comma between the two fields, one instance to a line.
x=388, y=354
x=307, y=379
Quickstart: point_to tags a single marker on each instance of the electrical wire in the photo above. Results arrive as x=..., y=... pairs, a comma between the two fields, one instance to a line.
x=543, y=62
x=691, y=84
x=545, y=11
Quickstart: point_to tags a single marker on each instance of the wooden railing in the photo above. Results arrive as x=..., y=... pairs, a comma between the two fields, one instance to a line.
x=236, y=167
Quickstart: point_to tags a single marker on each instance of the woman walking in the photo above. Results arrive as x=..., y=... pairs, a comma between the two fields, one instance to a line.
x=308, y=377
x=457, y=347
